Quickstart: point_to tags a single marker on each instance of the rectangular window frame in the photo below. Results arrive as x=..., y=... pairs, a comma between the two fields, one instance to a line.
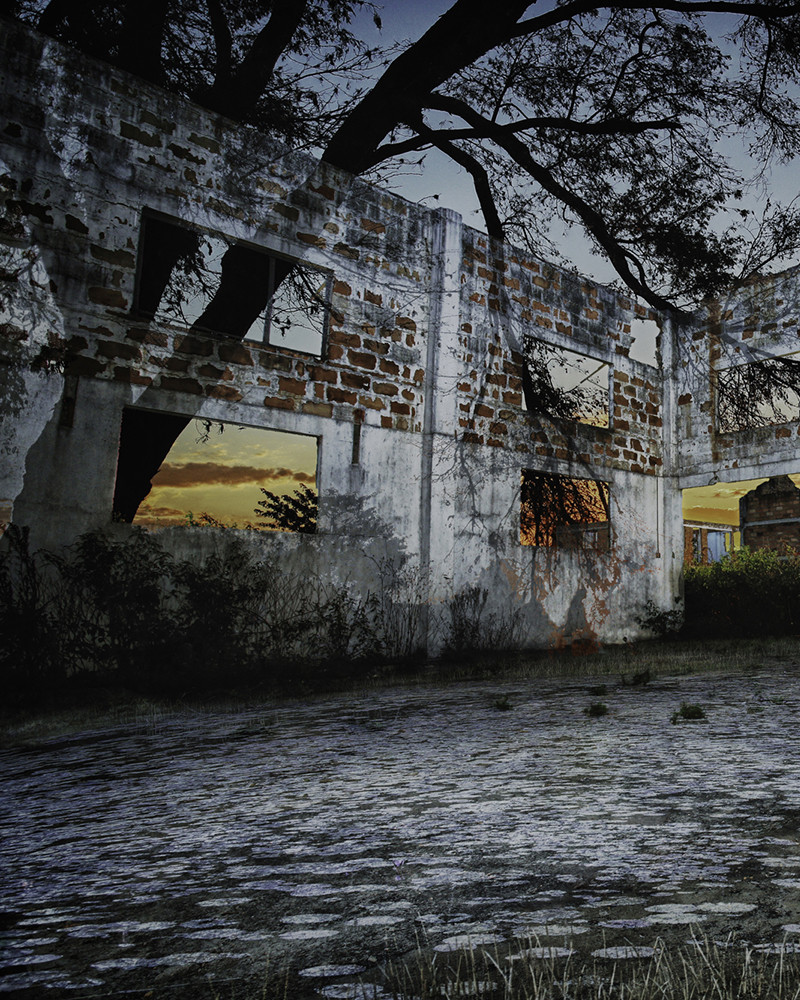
x=540, y=343
x=273, y=257
x=568, y=535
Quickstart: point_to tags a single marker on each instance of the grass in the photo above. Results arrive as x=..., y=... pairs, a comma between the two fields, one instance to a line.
x=698, y=970
x=688, y=713
x=99, y=709
x=596, y=709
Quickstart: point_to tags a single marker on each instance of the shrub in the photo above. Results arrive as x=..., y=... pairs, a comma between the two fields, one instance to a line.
x=749, y=593
x=121, y=610
x=658, y=621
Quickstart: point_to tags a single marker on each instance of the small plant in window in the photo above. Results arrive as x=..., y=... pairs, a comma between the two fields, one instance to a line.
x=290, y=512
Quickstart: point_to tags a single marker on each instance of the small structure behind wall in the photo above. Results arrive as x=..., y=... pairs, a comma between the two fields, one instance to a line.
x=770, y=515
x=706, y=543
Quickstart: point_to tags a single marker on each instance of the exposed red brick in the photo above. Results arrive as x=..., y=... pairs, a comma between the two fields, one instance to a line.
x=294, y=386
x=172, y=364
x=154, y=337
x=342, y=288
x=376, y=347
x=311, y=240
x=287, y=211
x=111, y=297
x=201, y=346
x=345, y=251
x=389, y=367
x=355, y=381
x=318, y=409
x=84, y=366
x=362, y=360
x=336, y=395
x=348, y=339
x=403, y=408
x=384, y=388
x=189, y=385
x=373, y=227
x=279, y=402
x=111, y=349
x=224, y=392
x=131, y=376
x=235, y=354
x=373, y=297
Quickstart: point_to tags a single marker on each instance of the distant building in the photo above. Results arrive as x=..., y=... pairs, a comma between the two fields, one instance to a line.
x=706, y=542
x=770, y=515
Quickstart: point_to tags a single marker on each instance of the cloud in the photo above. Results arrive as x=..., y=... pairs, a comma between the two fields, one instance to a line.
x=215, y=474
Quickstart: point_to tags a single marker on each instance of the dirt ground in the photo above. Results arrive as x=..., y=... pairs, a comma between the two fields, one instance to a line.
x=199, y=854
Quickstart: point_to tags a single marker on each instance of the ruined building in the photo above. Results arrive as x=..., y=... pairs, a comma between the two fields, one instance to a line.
x=770, y=515
x=411, y=376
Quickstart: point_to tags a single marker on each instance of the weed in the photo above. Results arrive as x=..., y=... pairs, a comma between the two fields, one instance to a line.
x=502, y=704
x=596, y=709
x=658, y=621
x=688, y=713
x=698, y=969
x=598, y=690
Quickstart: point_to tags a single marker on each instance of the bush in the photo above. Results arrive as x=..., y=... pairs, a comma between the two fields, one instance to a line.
x=122, y=612
x=749, y=593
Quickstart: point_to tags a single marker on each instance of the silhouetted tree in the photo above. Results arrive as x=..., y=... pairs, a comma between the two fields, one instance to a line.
x=290, y=512
x=618, y=117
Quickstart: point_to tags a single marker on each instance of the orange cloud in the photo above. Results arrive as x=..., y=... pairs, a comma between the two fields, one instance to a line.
x=212, y=474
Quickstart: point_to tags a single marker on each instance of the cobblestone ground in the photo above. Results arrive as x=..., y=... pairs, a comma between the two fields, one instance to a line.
x=326, y=837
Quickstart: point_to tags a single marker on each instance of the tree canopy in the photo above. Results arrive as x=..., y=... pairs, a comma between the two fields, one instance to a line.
x=644, y=124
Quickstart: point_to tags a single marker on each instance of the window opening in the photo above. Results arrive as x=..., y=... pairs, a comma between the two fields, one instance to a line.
x=562, y=512
x=644, y=341
x=199, y=280
x=220, y=474
x=759, y=393
x=355, y=457
x=566, y=385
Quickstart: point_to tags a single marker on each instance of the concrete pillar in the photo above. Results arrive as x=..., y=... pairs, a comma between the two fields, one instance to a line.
x=439, y=422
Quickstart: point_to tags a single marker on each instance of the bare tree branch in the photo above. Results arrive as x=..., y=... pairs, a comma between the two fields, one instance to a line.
x=237, y=95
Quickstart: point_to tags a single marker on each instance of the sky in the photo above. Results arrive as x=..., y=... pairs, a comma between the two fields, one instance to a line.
x=223, y=476
x=720, y=503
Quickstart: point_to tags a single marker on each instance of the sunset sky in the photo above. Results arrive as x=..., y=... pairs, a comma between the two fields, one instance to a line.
x=720, y=502
x=223, y=476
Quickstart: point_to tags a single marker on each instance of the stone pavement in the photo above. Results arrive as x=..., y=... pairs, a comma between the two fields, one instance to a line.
x=327, y=836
